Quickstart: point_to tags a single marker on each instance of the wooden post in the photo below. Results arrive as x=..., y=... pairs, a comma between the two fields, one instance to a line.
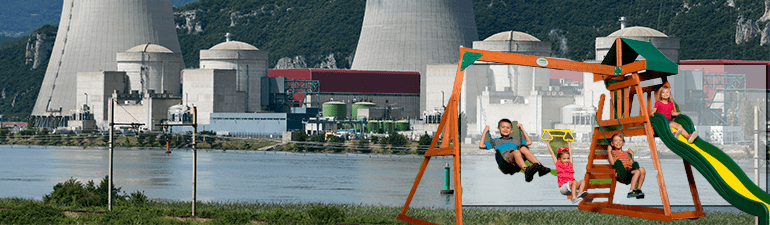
x=645, y=112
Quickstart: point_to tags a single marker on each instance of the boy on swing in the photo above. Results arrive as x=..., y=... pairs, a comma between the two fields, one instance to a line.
x=514, y=153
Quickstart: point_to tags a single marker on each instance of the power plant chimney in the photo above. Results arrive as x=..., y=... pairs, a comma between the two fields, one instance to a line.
x=90, y=34
x=622, y=22
x=407, y=35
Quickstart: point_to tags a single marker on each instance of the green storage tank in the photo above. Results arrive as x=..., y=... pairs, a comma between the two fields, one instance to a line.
x=373, y=126
x=388, y=126
x=337, y=110
x=402, y=125
x=359, y=105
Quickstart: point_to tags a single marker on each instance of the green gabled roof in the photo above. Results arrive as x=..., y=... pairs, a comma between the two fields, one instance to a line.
x=656, y=61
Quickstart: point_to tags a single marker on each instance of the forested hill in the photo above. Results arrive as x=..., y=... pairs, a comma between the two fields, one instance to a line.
x=324, y=34
x=317, y=30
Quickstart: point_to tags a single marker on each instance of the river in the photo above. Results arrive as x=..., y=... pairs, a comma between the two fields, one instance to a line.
x=283, y=177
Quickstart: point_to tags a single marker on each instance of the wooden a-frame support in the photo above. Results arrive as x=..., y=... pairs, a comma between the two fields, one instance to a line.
x=447, y=131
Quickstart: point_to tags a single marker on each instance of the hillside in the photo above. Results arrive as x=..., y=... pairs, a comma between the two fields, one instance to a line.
x=707, y=29
x=325, y=33
x=19, y=80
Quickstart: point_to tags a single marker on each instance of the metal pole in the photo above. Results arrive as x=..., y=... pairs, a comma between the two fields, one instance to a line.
x=756, y=154
x=756, y=146
x=195, y=157
x=111, y=146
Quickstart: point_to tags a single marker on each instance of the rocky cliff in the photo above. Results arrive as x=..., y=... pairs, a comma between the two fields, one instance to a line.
x=39, y=46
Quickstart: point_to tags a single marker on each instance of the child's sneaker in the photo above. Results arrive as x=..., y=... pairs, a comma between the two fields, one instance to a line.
x=576, y=200
x=692, y=137
x=583, y=194
x=529, y=173
x=639, y=194
x=631, y=194
x=677, y=133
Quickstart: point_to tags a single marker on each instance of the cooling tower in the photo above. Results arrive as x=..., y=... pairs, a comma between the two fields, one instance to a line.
x=90, y=34
x=407, y=35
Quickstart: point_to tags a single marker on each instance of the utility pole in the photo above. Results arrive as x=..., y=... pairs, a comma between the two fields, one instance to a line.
x=195, y=157
x=112, y=149
x=112, y=138
x=194, y=125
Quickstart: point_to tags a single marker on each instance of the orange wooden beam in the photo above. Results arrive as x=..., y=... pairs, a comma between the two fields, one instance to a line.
x=542, y=62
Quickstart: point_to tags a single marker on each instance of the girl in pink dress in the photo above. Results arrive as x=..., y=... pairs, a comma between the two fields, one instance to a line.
x=665, y=105
x=567, y=184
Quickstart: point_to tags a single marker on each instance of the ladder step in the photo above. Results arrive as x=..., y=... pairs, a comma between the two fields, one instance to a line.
x=601, y=166
x=601, y=151
x=598, y=195
x=596, y=186
x=600, y=181
x=601, y=171
x=601, y=176
x=610, y=128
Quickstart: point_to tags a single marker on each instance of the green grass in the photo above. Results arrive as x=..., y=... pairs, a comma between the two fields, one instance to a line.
x=36, y=212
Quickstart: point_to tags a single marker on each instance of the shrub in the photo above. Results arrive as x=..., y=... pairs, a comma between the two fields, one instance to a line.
x=75, y=193
x=302, y=136
x=425, y=139
x=424, y=143
x=335, y=139
x=397, y=140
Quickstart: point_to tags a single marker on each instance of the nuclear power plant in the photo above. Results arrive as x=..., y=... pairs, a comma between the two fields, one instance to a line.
x=400, y=79
x=407, y=35
x=90, y=34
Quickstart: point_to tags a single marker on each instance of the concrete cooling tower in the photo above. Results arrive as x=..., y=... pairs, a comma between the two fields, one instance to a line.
x=407, y=35
x=91, y=33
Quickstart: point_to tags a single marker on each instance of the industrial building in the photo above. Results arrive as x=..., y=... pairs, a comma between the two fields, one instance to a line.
x=144, y=86
x=90, y=34
x=398, y=91
x=406, y=35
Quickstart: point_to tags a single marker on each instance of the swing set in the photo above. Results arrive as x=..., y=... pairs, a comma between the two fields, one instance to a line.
x=622, y=75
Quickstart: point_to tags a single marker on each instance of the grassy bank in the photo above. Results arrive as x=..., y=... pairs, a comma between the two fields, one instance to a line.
x=74, y=202
x=21, y=211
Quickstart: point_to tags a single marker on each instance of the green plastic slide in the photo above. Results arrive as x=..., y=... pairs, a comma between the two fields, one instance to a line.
x=720, y=170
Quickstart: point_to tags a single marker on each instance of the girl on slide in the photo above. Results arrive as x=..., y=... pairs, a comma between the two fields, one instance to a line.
x=665, y=105
x=564, y=171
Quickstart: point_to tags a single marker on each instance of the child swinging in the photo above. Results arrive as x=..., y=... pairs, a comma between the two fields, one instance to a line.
x=565, y=173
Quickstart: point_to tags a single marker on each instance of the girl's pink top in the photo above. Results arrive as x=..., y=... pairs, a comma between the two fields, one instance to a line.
x=564, y=172
x=664, y=108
